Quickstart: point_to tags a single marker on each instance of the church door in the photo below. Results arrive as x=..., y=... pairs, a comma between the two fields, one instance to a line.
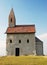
x=17, y=52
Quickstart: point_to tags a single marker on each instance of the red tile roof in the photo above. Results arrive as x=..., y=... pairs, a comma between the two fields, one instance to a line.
x=21, y=29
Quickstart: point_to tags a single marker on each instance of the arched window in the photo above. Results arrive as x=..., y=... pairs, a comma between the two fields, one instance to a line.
x=27, y=40
x=10, y=41
x=19, y=41
x=11, y=19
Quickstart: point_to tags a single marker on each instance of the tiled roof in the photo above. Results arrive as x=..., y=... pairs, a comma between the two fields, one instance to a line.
x=21, y=29
x=37, y=40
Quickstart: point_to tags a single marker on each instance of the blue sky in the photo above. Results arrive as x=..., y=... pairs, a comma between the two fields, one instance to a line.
x=26, y=12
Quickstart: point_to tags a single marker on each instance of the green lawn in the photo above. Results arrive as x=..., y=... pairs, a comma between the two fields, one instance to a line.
x=23, y=60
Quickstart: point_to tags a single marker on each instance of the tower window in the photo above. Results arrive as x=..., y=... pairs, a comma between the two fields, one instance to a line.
x=10, y=41
x=11, y=19
x=27, y=40
x=19, y=41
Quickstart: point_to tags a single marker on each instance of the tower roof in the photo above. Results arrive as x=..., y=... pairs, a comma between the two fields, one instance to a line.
x=12, y=12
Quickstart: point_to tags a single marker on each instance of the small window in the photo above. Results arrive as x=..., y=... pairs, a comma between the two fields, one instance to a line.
x=10, y=41
x=11, y=19
x=19, y=41
x=27, y=40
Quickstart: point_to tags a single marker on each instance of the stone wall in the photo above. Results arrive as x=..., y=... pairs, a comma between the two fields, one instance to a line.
x=39, y=47
x=25, y=48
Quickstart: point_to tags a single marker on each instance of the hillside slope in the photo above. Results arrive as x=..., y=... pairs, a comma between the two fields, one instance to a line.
x=23, y=60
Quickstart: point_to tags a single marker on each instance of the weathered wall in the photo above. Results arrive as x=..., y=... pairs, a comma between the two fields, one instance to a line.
x=25, y=48
x=39, y=47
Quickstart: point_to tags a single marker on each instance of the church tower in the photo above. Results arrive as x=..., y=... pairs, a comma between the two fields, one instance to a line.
x=12, y=19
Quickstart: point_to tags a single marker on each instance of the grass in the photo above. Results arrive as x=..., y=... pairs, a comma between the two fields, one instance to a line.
x=23, y=60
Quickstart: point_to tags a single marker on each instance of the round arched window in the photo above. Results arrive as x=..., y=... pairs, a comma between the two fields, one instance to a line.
x=10, y=41
x=11, y=19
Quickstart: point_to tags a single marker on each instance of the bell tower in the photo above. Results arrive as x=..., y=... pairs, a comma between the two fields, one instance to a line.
x=12, y=19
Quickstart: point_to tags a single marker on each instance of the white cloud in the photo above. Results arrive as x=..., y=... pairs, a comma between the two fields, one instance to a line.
x=2, y=46
x=43, y=37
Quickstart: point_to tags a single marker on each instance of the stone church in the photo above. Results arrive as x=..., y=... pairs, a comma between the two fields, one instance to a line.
x=21, y=39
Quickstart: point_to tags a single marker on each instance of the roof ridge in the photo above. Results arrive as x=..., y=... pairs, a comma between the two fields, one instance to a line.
x=24, y=25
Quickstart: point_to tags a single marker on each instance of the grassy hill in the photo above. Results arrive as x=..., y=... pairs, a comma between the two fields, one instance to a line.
x=23, y=60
